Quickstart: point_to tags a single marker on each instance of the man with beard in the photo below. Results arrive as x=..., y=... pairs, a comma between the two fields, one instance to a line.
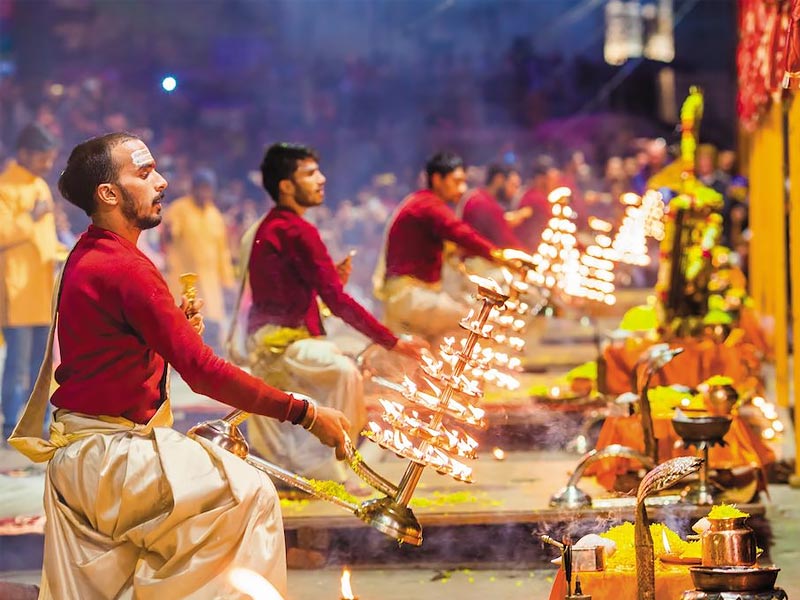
x=135, y=509
x=486, y=209
x=409, y=274
x=289, y=268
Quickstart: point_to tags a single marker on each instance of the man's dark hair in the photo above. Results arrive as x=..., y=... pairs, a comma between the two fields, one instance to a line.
x=35, y=137
x=442, y=163
x=280, y=162
x=541, y=165
x=89, y=165
x=498, y=169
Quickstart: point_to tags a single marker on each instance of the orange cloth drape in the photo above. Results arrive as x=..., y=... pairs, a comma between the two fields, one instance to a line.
x=621, y=585
x=743, y=448
x=700, y=360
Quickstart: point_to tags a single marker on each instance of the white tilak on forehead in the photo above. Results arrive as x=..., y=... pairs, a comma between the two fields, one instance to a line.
x=141, y=157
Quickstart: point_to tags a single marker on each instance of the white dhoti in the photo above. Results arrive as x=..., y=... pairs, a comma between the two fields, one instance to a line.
x=140, y=512
x=319, y=369
x=419, y=308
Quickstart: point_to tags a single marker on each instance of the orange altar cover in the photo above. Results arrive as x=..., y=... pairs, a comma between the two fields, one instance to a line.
x=621, y=585
x=743, y=447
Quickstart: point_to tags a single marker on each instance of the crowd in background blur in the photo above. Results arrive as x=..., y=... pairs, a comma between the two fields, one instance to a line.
x=608, y=162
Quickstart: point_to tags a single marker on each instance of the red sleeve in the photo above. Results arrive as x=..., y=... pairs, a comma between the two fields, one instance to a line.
x=450, y=227
x=150, y=310
x=316, y=268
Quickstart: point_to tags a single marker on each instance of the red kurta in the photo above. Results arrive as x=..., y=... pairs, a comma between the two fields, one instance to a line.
x=486, y=216
x=530, y=230
x=117, y=326
x=290, y=266
x=416, y=238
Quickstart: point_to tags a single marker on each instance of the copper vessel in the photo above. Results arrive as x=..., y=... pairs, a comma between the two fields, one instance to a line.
x=728, y=543
x=721, y=399
x=736, y=579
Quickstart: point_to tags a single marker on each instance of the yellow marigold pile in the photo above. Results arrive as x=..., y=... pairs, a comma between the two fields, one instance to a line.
x=624, y=559
x=727, y=511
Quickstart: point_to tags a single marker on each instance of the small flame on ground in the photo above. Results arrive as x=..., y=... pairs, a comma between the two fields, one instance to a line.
x=254, y=585
x=498, y=453
x=347, y=591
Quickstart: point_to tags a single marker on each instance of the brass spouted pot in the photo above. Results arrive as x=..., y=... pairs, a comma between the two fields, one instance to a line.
x=728, y=543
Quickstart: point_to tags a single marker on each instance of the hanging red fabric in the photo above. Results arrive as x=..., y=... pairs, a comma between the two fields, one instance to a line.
x=763, y=29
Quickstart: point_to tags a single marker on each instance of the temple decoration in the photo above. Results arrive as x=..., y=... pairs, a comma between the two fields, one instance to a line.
x=761, y=56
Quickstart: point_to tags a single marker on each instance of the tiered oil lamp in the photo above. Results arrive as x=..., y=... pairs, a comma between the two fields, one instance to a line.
x=644, y=217
x=592, y=275
x=425, y=430
x=427, y=441
x=558, y=247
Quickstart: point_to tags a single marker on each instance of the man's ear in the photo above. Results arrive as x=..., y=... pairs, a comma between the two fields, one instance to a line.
x=107, y=194
x=286, y=186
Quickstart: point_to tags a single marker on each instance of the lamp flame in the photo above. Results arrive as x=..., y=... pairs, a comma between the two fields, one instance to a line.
x=498, y=453
x=347, y=591
x=254, y=585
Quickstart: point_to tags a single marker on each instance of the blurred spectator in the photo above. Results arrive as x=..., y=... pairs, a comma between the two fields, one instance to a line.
x=656, y=158
x=706, y=168
x=29, y=249
x=196, y=241
x=726, y=166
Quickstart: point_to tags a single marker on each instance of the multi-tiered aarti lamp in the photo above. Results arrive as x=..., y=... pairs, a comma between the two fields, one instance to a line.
x=425, y=427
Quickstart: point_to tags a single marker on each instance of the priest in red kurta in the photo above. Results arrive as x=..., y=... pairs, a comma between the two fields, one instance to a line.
x=408, y=278
x=135, y=509
x=486, y=209
x=289, y=269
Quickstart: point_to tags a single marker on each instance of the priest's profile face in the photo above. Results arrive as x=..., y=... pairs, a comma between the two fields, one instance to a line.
x=308, y=183
x=450, y=187
x=141, y=186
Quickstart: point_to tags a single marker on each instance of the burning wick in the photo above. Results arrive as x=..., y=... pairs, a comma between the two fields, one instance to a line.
x=498, y=453
x=667, y=548
x=347, y=591
x=254, y=585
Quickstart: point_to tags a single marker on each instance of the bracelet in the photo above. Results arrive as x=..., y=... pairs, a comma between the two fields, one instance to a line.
x=313, y=405
x=303, y=411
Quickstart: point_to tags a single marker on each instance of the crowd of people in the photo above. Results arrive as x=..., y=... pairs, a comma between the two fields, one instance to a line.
x=598, y=173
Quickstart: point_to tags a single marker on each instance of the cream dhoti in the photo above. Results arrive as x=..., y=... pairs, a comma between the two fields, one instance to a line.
x=127, y=519
x=423, y=309
x=317, y=368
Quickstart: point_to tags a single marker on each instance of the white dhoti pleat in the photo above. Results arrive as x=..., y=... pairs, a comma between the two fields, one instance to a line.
x=146, y=514
x=319, y=369
x=412, y=306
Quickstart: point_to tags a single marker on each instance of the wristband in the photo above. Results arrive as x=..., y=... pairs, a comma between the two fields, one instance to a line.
x=313, y=405
x=303, y=411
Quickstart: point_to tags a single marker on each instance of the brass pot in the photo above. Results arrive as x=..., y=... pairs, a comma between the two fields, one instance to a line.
x=728, y=543
x=720, y=399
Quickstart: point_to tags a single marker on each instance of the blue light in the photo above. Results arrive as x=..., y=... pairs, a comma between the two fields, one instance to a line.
x=169, y=83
